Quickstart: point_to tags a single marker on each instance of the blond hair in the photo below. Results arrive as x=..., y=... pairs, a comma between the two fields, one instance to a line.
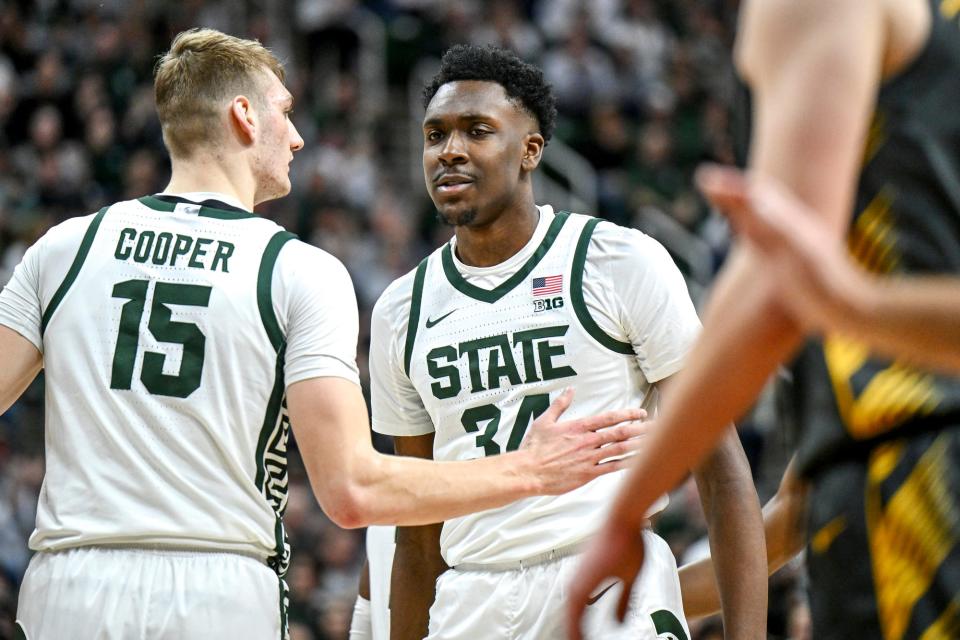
x=202, y=69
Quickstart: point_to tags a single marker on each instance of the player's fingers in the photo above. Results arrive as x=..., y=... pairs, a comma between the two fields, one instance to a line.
x=782, y=219
x=575, y=607
x=605, y=466
x=623, y=431
x=624, y=603
x=558, y=406
x=725, y=187
x=577, y=599
x=606, y=455
x=730, y=191
x=609, y=419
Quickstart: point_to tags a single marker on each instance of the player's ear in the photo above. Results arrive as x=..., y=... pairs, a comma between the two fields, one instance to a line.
x=243, y=120
x=533, y=145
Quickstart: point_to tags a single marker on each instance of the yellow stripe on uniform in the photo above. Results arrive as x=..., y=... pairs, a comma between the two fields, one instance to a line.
x=911, y=536
x=876, y=136
x=947, y=626
x=950, y=8
x=891, y=397
x=872, y=240
x=823, y=538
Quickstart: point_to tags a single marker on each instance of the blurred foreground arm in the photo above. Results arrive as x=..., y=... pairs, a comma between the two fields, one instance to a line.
x=814, y=70
x=915, y=318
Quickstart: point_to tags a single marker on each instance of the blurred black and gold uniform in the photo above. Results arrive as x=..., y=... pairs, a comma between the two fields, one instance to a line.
x=879, y=439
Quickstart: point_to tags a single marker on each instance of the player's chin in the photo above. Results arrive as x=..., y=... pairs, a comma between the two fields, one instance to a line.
x=274, y=191
x=457, y=216
x=281, y=187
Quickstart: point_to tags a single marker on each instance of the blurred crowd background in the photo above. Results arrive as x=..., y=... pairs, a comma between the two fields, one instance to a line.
x=646, y=92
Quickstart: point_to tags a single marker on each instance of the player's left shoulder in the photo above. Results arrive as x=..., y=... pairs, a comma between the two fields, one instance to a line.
x=616, y=242
x=72, y=230
x=393, y=306
x=305, y=271
x=307, y=256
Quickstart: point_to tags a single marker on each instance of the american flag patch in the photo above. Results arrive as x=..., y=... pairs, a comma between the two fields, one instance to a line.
x=546, y=286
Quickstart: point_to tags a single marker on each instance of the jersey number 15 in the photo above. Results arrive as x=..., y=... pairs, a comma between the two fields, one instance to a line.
x=163, y=329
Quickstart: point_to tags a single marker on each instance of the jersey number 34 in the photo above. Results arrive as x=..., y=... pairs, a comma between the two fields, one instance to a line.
x=531, y=407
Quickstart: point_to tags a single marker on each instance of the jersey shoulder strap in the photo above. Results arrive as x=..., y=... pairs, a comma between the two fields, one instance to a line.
x=577, y=298
x=74, y=271
x=413, y=322
x=265, y=287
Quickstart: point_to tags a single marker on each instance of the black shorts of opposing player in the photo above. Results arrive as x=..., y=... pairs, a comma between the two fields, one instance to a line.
x=883, y=558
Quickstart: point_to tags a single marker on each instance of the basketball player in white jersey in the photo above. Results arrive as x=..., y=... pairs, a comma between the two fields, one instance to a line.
x=177, y=333
x=471, y=346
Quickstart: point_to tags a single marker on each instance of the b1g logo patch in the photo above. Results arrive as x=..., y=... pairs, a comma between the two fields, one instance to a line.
x=547, y=304
x=543, y=288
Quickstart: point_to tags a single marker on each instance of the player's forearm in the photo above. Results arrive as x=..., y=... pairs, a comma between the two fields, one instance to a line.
x=416, y=566
x=698, y=580
x=783, y=526
x=22, y=363
x=698, y=587
x=363, y=588
x=784, y=518
x=912, y=318
x=736, y=538
x=746, y=336
x=410, y=491
x=784, y=531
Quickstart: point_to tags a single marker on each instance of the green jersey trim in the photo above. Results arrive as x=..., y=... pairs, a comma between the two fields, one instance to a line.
x=271, y=457
x=494, y=295
x=157, y=204
x=284, y=607
x=74, y=271
x=205, y=211
x=271, y=461
x=270, y=420
x=413, y=323
x=665, y=622
x=265, y=284
x=576, y=295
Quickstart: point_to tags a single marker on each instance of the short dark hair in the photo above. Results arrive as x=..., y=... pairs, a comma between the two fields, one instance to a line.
x=523, y=83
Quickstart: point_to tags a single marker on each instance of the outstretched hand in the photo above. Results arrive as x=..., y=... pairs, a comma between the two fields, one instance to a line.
x=814, y=274
x=568, y=454
x=615, y=553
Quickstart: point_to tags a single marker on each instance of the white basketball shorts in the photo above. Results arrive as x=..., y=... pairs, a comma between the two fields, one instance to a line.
x=529, y=603
x=118, y=593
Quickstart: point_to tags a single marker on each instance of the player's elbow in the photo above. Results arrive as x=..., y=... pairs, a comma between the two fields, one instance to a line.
x=348, y=505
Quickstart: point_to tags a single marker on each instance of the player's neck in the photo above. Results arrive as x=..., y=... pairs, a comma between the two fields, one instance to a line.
x=203, y=173
x=501, y=239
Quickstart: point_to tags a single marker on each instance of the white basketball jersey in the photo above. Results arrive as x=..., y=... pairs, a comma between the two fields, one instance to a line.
x=163, y=355
x=485, y=362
